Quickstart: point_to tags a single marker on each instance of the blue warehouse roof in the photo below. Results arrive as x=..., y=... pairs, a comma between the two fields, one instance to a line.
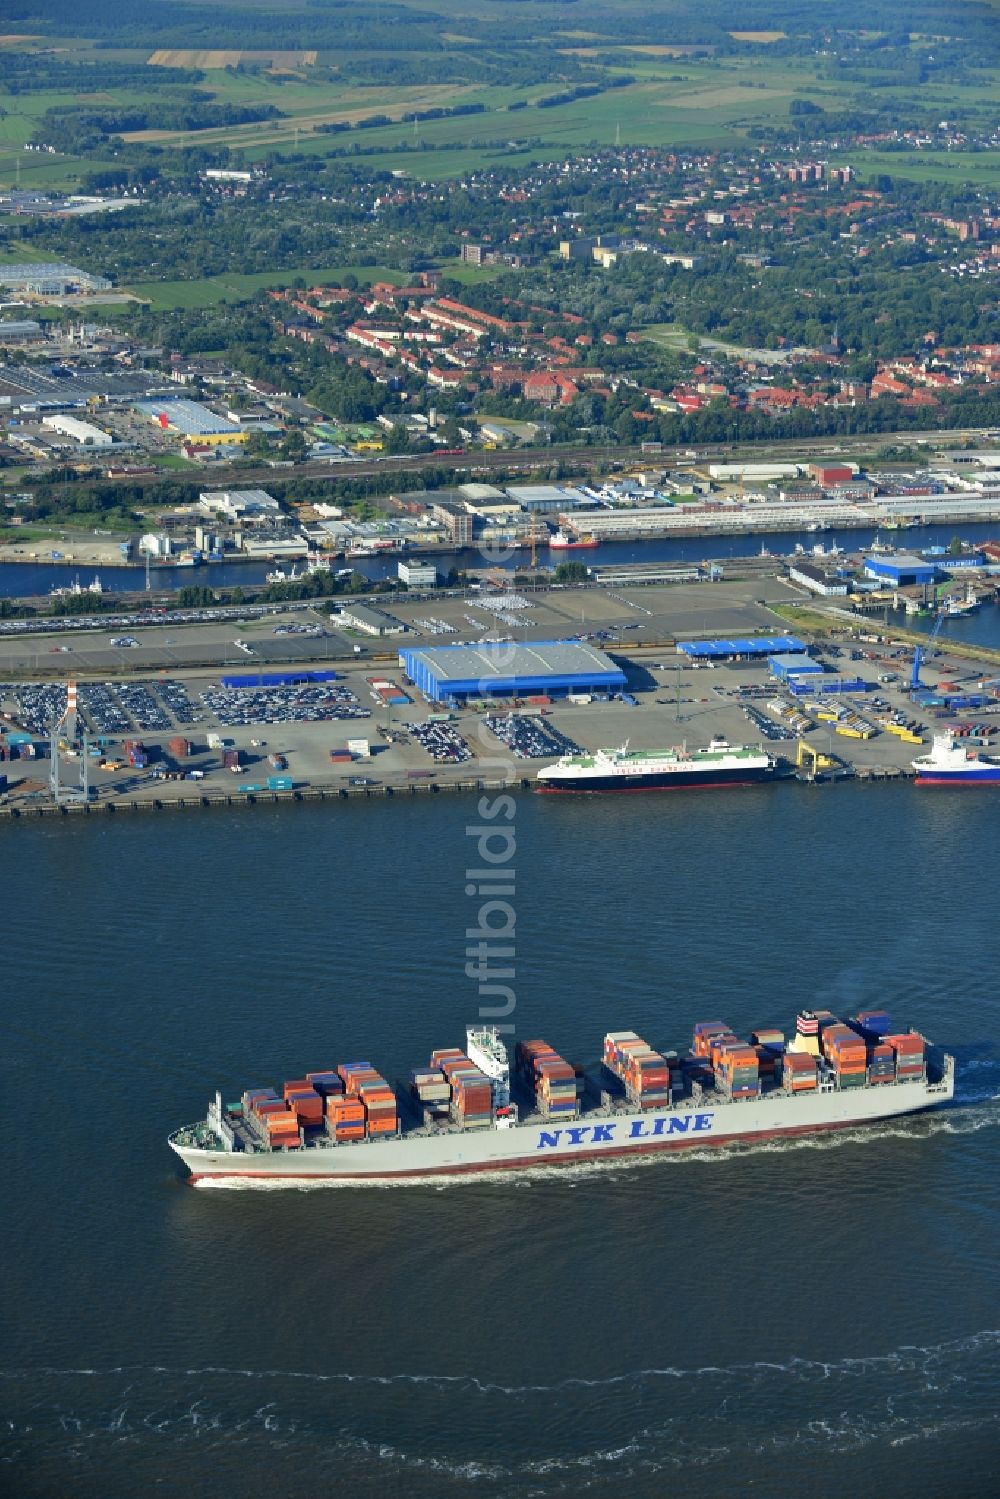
x=536, y=666
x=760, y=645
x=794, y=664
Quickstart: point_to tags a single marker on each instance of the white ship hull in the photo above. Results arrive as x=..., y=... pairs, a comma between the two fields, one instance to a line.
x=594, y=1136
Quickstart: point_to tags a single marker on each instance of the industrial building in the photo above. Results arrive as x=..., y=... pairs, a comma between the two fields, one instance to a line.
x=455, y=673
x=900, y=571
x=192, y=420
x=547, y=499
x=791, y=664
x=417, y=574
x=370, y=621
x=46, y=278
x=239, y=504
x=755, y=649
x=817, y=580
x=623, y=574
x=84, y=433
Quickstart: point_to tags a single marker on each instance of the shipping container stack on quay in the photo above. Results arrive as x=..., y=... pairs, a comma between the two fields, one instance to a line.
x=457, y=1113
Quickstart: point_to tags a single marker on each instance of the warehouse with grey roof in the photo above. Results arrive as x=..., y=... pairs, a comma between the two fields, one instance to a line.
x=456, y=673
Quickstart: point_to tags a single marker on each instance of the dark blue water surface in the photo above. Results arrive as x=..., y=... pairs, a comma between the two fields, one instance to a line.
x=813, y=1317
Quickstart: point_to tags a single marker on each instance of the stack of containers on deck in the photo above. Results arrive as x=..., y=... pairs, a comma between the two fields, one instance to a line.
x=735, y=1065
x=799, y=1071
x=327, y=1084
x=273, y=1120
x=430, y=1087
x=471, y=1091
x=769, y=1044
x=253, y=1096
x=874, y=1024
x=645, y=1072
x=647, y=1079
x=302, y=1098
x=548, y=1076
x=345, y=1117
x=881, y=1063
x=471, y=1099
x=369, y=1088
x=908, y=1047
x=705, y=1032
x=381, y=1115
x=847, y=1054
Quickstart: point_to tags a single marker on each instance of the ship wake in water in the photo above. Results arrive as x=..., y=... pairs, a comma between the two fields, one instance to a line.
x=748, y=1412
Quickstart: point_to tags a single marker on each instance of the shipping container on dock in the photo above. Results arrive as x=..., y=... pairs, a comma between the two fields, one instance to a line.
x=280, y=783
x=180, y=747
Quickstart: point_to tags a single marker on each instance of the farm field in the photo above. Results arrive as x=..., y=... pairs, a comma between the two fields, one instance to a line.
x=675, y=100
x=980, y=167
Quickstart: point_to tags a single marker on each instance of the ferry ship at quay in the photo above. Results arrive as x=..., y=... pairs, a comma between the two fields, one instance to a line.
x=721, y=764
x=467, y=1112
x=951, y=763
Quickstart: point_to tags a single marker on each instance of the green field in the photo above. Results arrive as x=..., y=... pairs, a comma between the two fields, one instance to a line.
x=165, y=296
x=981, y=167
x=673, y=102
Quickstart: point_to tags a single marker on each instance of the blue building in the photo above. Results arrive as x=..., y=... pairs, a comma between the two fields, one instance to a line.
x=750, y=649
x=902, y=571
x=795, y=664
x=455, y=673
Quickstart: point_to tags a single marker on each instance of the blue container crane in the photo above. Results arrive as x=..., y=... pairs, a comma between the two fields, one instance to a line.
x=922, y=650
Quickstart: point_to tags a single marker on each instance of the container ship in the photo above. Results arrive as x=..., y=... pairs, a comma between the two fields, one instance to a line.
x=951, y=763
x=721, y=764
x=468, y=1111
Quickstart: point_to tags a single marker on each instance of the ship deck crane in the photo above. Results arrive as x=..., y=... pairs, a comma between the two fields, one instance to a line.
x=922, y=651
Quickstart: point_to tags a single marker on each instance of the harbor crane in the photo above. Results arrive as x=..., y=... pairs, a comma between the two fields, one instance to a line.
x=923, y=651
x=69, y=737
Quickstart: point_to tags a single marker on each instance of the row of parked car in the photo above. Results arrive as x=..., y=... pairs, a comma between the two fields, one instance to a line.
x=767, y=726
x=529, y=738
x=302, y=703
x=442, y=743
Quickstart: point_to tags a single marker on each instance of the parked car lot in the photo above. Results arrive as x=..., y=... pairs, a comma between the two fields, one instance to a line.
x=304, y=703
x=767, y=726
x=442, y=743
x=529, y=738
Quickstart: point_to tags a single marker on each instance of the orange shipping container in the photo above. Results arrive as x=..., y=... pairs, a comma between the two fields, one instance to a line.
x=345, y=1113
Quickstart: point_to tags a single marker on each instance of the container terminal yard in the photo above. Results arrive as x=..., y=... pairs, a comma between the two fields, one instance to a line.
x=297, y=701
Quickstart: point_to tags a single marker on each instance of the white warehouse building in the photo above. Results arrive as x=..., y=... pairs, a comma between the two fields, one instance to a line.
x=84, y=433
